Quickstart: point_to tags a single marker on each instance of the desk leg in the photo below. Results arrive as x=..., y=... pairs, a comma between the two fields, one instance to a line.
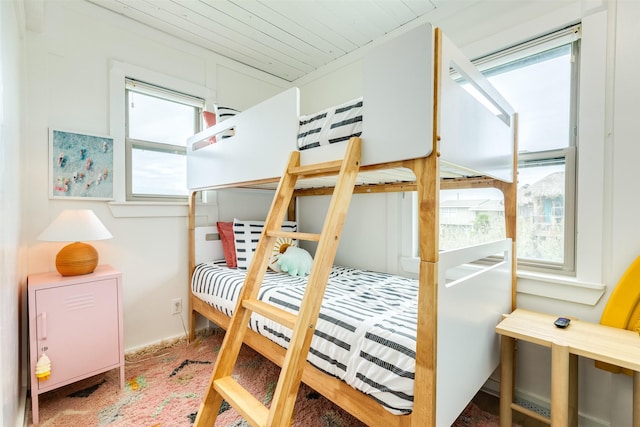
x=573, y=390
x=636, y=399
x=507, y=347
x=560, y=373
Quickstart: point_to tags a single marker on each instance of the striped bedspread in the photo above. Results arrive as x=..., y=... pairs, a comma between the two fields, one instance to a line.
x=365, y=334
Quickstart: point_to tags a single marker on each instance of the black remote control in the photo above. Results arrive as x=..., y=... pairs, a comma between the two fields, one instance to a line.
x=562, y=322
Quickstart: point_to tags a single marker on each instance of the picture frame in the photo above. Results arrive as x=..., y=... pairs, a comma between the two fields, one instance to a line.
x=80, y=166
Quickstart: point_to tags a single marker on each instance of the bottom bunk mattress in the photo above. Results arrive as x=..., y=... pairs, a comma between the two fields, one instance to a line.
x=365, y=334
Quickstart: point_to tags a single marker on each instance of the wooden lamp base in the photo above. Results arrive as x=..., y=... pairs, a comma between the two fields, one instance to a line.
x=76, y=259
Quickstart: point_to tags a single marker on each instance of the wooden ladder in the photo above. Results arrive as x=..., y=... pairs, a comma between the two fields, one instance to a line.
x=222, y=385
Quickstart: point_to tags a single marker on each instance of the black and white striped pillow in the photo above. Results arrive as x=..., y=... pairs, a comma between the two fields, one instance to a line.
x=332, y=125
x=310, y=130
x=346, y=122
x=247, y=234
x=224, y=113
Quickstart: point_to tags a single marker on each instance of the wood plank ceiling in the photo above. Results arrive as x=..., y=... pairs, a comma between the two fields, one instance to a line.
x=285, y=38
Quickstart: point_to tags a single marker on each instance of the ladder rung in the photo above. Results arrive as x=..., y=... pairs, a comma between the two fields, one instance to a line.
x=243, y=401
x=272, y=312
x=311, y=237
x=317, y=168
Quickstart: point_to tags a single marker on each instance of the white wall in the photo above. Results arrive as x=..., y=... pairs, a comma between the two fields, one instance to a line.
x=624, y=151
x=11, y=245
x=69, y=71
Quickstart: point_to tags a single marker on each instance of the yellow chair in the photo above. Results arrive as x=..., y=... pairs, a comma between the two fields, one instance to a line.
x=622, y=309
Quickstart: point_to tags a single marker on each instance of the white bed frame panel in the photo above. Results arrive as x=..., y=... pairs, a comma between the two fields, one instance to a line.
x=397, y=98
x=398, y=101
x=208, y=244
x=471, y=302
x=267, y=132
x=484, y=141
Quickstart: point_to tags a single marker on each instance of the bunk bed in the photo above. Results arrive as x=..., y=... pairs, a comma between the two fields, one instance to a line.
x=430, y=121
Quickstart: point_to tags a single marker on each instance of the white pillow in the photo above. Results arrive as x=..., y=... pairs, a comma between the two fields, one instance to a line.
x=247, y=234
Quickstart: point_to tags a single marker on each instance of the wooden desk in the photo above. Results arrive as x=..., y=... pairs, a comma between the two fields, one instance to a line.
x=616, y=346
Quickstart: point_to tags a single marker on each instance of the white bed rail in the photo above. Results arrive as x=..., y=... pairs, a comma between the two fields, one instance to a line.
x=207, y=244
x=471, y=301
x=484, y=139
x=263, y=136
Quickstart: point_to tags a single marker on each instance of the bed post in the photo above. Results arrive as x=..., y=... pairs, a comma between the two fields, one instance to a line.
x=428, y=192
x=513, y=218
x=510, y=193
x=424, y=404
x=192, y=261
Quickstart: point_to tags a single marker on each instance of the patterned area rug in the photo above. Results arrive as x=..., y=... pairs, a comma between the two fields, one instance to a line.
x=164, y=387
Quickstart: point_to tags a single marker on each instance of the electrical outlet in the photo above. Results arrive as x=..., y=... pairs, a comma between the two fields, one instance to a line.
x=176, y=306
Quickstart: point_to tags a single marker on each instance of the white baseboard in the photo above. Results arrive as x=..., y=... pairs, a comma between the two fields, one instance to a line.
x=163, y=342
x=540, y=404
x=492, y=387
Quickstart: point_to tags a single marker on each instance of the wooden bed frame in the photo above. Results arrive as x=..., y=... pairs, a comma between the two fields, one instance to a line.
x=432, y=170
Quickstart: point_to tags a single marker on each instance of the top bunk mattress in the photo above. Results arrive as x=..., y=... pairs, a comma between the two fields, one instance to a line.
x=412, y=91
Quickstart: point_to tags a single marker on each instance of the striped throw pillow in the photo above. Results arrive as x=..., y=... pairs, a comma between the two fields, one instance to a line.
x=310, y=130
x=346, y=122
x=224, y=113
x=331, y=125
x=246, y=236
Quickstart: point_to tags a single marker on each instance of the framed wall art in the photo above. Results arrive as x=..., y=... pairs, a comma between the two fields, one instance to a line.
x=80, y=166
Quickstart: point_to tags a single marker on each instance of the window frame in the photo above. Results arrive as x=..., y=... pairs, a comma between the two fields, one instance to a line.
x=570, y=35
x=570, y=198
x=164, y=93
x=586, y=286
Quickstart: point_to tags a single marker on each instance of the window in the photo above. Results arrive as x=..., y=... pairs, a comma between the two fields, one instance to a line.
x=540, y=80
x=158, y=123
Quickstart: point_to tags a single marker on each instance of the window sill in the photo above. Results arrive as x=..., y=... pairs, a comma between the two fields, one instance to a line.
x=148, y=209
x=560, y=287
x=541, y=285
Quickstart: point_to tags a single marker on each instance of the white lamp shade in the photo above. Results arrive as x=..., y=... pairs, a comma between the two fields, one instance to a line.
x=76, y=225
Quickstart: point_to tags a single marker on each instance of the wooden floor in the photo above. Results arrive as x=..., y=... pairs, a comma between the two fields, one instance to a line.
x=491, y=403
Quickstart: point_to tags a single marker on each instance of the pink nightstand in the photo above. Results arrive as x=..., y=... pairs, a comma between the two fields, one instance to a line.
x=77, y=322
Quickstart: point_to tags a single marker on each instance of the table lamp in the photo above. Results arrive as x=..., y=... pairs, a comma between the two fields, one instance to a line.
x=75, y=226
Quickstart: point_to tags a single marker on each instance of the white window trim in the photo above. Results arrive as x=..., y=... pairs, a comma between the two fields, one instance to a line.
x=118, y=71
x=148, y=209
x=560, y=287
x=586, y=286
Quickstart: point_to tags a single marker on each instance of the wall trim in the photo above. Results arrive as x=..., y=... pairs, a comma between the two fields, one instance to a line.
x=536, y=403
x=560, y=287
